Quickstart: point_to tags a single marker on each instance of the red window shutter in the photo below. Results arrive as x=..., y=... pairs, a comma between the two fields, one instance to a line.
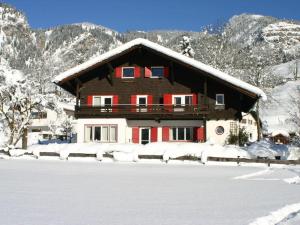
x=135, y=135
x=148, y=72
x=149, y=102
x=89, y=100
x=153, y=134
x=199, y=134
x=118, y=72
x=168, y=102
x=137, y=71
x=133, y=103
x=115, y=103
x=194, y=99
x=165, y=134
x=166, y=71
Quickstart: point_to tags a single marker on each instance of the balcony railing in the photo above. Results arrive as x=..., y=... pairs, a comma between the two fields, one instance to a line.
x=142, y=111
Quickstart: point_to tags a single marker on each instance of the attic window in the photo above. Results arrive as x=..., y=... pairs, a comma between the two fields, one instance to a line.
x=128, y=72
x=157, y=71
x=220, y=99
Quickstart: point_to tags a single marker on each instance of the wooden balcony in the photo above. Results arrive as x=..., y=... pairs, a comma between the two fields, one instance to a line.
x=154, y=111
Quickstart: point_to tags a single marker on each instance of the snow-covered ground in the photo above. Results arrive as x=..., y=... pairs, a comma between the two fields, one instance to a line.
x=60, y=192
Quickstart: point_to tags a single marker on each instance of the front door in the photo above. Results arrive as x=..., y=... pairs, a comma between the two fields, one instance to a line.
x=144, y=135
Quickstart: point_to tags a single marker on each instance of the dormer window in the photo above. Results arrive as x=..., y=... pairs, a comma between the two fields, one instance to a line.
x=220, y=99
x=157, y=71
x=128, y=72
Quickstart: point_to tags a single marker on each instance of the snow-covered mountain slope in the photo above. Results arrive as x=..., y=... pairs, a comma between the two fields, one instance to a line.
x=282, y=109
x=245, y=43
x=282, y=32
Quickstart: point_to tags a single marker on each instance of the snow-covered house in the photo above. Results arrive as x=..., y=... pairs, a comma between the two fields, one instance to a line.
x=42, y=120
x=142, y=92
x=249, y=123
x=280, y=137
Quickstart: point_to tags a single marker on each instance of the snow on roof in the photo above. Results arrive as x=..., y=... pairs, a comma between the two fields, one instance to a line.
x=192, y=62
x=282, y=132
x=66, y=106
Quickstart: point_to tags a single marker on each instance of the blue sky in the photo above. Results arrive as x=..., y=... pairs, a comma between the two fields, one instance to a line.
x=126, y=15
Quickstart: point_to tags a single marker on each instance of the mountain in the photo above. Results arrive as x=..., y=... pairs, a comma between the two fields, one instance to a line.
x=261, y=50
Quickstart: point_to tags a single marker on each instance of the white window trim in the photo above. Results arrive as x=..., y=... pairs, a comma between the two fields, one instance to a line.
x=102, y=99
x=141, y=96
x=137, y=102
x=171, y=134
x=156, y=77
x=182, y=96
x=140, y=134
x=222, y=97
x=128, y=67
x=102, y=125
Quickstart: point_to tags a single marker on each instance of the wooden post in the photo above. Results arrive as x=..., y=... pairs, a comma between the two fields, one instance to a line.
x=258, y=121
x=77, y=94
x=25, y=139
x=205, y=91
x=205, y=129
x=172, y=78
x=110, y=74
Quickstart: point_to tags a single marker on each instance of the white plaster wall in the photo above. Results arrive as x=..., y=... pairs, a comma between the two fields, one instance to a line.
x=211, y=126
x=159, y=134
x=51, y=116
x=122, y=135
x=250, y=128
x=128, y=135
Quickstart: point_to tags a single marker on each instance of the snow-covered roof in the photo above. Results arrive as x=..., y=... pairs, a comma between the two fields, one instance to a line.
x=282, y=132
x=66, y=106
x=189, y=61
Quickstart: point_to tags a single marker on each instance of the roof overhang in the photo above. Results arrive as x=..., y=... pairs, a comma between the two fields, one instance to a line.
x=179, y=58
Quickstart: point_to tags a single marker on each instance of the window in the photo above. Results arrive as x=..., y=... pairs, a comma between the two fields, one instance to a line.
x=128, y=72
x=97, y=133
x=104, y=101
x=220, y=99
x=180, y=101
x=219, y=130
x=233, y=128
x=157, y=72
x=142, y=103
x=250, y=122
x=181, y=134
x=244, y=121
x=39, y=115
x=100, y=133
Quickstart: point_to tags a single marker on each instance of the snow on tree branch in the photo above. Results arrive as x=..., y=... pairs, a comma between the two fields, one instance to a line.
x=186, y=48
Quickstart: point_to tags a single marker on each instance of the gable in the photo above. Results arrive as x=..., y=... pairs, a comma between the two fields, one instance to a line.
x=166, y=53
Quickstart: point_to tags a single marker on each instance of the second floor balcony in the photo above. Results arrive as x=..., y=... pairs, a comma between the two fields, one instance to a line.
x=153, y=111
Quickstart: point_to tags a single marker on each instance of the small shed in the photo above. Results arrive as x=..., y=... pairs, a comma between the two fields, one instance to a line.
x=280, y=137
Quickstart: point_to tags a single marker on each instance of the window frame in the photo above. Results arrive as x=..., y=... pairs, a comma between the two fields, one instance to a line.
x=102, y=101
x=140, y=134
x=139, y=109
x=185, y=134
x=128, y=67
x=223, y=97
x=157, y=77
x=92, y=134
x=183, y=103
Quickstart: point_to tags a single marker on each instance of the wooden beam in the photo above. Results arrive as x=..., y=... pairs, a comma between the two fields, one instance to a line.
x=110, y=74
x=77, y=93
x=205, y=91
x=68, y=83
x=172, y=78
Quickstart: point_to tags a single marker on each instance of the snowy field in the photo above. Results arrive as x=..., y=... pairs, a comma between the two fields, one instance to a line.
x=43, y=192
